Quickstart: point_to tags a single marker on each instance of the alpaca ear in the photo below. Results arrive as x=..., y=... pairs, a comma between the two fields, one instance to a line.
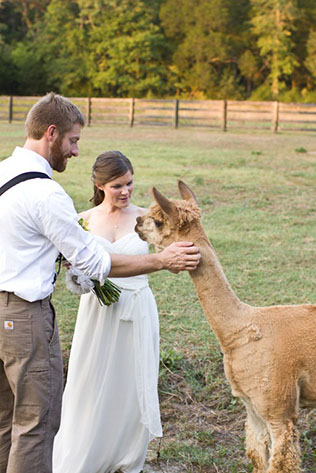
x=166, y=205
x=186, y=192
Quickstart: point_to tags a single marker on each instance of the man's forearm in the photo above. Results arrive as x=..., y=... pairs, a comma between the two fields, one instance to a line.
x=133, y=265
x=179, y=256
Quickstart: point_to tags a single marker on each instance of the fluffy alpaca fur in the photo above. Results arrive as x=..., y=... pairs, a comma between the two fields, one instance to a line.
x=269, y=352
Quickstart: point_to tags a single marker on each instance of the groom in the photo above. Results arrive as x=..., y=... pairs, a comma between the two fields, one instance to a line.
x=37, y=221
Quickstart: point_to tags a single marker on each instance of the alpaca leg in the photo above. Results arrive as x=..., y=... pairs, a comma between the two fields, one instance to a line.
x=285, y=452
x=257, y=441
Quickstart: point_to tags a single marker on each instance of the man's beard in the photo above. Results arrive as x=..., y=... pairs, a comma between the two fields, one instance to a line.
x=58, y=159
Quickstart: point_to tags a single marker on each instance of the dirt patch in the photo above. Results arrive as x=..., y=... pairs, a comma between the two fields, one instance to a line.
x=163, y=468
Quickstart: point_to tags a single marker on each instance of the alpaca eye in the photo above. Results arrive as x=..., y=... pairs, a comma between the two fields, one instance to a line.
x=158, y=223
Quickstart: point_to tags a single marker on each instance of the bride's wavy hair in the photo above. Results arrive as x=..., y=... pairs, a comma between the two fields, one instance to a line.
x=107, y=167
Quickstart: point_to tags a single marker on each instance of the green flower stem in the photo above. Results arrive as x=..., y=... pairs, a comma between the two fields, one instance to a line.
x=109, y=292
x=106, y=294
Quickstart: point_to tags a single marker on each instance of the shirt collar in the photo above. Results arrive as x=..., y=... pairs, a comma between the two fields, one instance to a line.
x=32, y=157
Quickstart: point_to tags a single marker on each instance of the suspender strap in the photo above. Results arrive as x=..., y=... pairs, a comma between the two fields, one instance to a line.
x=22, y=177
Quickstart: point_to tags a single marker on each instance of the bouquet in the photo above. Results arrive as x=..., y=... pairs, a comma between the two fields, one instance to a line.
x=78, y=283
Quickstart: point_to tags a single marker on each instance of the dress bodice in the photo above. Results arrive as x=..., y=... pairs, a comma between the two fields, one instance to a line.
x=128, y=244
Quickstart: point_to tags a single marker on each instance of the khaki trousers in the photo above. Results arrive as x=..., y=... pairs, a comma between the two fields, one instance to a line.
x=31, y=384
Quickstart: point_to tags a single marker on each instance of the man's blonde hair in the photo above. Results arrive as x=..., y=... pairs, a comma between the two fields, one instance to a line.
x=52, y=109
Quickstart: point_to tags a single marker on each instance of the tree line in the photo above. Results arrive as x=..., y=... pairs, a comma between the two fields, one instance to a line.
x=203, y=49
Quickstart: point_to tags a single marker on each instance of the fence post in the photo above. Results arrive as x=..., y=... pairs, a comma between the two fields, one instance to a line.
x=88, y=111
x=275, y=116
x=224, y=116
x=176, y=113
x=131, y=112
x=10, y=109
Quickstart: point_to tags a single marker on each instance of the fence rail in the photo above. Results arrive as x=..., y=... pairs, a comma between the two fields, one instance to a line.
x=217, y=114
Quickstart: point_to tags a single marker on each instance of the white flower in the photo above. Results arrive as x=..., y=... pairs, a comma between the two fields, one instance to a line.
x=77, y=282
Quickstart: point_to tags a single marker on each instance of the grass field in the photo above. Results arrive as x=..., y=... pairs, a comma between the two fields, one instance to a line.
x=258, y=200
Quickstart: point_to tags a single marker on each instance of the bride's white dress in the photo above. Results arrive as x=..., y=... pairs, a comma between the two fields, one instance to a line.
x=110, y=405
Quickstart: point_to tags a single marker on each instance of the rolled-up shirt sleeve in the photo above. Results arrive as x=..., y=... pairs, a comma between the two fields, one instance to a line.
x=58, y=222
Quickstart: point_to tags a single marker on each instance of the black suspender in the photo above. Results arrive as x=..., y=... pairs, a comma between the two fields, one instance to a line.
x=22, y=177
x=25, y=177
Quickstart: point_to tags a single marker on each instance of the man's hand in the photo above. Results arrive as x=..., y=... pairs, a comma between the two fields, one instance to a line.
x=180, y=256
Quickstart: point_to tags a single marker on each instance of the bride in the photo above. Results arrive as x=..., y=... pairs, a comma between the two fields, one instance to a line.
x=110, y=403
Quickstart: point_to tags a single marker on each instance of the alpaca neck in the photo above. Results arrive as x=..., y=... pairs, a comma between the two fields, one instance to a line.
x=219, y=302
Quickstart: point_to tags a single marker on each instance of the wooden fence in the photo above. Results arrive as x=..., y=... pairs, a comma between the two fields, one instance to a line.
x=216, y=114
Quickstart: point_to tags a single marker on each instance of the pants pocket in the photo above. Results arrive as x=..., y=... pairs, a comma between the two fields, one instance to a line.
x=16, y=331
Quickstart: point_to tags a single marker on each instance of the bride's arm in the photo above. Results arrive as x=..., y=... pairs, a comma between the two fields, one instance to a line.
x=178, y=256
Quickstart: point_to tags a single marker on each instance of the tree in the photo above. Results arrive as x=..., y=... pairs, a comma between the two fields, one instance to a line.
x=248, y=65
x=8, y=23
x=262, y=49
x=311, y=53
x=29, y=10
x=104, y=47
x=8, y=81
x=304, y=77
x=207, y=40
x=30, y=76
x=273, y=24
x=61, y=44
x=127, y=50
x=20, y=68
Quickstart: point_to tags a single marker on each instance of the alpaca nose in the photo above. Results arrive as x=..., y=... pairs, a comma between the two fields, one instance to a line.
x=138, y=220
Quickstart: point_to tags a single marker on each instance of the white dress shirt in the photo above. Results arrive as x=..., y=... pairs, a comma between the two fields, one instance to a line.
x=37, y=221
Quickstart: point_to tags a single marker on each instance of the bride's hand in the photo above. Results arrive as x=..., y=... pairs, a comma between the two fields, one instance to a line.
x=180, y=256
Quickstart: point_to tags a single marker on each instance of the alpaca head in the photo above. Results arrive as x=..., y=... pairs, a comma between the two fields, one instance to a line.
x=168, y=221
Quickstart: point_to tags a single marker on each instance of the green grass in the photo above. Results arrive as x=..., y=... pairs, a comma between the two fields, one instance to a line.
x=258, y=199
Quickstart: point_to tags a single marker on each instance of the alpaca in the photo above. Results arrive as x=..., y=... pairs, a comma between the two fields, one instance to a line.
x=269, y=352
